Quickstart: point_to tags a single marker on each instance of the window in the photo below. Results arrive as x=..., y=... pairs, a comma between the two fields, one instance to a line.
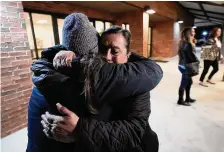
x=108, y=25
x=60, y=26
x=123, y=26
x=91, y=23
x=126, y=26
x=43, y=31
x=99, y=27
x=30, y=35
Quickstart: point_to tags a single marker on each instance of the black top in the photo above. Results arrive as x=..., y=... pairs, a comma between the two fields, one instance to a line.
x=123, y=90
x=187, y=54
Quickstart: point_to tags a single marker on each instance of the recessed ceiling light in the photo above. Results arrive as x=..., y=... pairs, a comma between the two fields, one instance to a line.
x=149, y=10
x=180, y=21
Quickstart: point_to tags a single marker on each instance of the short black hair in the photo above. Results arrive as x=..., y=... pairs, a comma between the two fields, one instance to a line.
x=118, y=29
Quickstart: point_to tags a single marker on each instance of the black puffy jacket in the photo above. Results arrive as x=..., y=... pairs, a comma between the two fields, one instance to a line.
x=124, y=91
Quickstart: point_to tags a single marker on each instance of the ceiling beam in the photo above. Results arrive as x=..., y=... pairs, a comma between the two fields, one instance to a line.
x=202, y=16
x=193, y=9
x=185, y=9
x=222, y=19
x=203, y=10
x=210, y=3
x=199, y=17
x=221, y=22
x=130, y=4
x=217, y=22
x=201, y=22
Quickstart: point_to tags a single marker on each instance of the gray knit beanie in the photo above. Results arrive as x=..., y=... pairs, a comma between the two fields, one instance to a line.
x=78, y=35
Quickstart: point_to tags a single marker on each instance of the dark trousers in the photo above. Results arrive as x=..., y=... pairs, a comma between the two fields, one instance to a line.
x=37, y=141
x=186, y=82
x=207, y=64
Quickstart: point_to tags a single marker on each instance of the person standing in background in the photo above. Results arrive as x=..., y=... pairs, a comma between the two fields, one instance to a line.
x=186, y=56
x=212, y=59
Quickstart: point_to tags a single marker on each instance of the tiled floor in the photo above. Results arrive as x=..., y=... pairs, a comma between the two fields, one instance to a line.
x=199, y=128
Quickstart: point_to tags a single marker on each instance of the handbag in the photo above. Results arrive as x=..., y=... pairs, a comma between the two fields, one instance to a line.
x=209, y=52
x=192, y=69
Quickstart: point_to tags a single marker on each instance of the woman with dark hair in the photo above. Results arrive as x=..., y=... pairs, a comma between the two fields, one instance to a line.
x=105, y=85
x=186, y=56
x=115, y=48
x=212, y=58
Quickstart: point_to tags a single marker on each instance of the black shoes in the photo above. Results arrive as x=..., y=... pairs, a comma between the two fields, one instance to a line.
x=190, y=100
x=184, y=103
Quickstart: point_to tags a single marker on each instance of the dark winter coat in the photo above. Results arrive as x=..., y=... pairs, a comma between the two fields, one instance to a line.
x=123, y=90
x=187, y=54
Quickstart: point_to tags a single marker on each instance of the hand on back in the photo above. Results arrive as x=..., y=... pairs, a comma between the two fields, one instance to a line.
x=63, y=59
x=60, y=128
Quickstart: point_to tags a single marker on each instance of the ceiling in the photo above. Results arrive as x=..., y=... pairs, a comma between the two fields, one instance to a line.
x=155, y=18
x=115, y=7
x=121, y=7
x=108, y=6
x=205, y=13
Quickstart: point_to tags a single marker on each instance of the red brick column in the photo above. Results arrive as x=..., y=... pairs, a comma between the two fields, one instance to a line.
x=15, y=57
x=139, y=23
x=162, y=39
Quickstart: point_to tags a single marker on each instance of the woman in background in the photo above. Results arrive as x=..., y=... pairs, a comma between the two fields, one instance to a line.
x=186, y=56
x=212, y=60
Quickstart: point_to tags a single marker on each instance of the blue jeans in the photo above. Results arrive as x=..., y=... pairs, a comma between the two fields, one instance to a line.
x=186, y=81
x=37, y=141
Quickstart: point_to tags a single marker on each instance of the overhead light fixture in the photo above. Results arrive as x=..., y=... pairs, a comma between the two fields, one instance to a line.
x=180, y=21
x=42, y=21
x=149, y=10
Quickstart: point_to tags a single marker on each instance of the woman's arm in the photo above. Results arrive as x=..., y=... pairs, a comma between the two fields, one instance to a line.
x=136, y=77
x=116, y=81
x=116, y=135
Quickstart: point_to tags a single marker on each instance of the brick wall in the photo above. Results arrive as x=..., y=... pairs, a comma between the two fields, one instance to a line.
x=135, y=20
x=162, y=39
x=15, y=74
x=164, y=8
x=165, y=35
